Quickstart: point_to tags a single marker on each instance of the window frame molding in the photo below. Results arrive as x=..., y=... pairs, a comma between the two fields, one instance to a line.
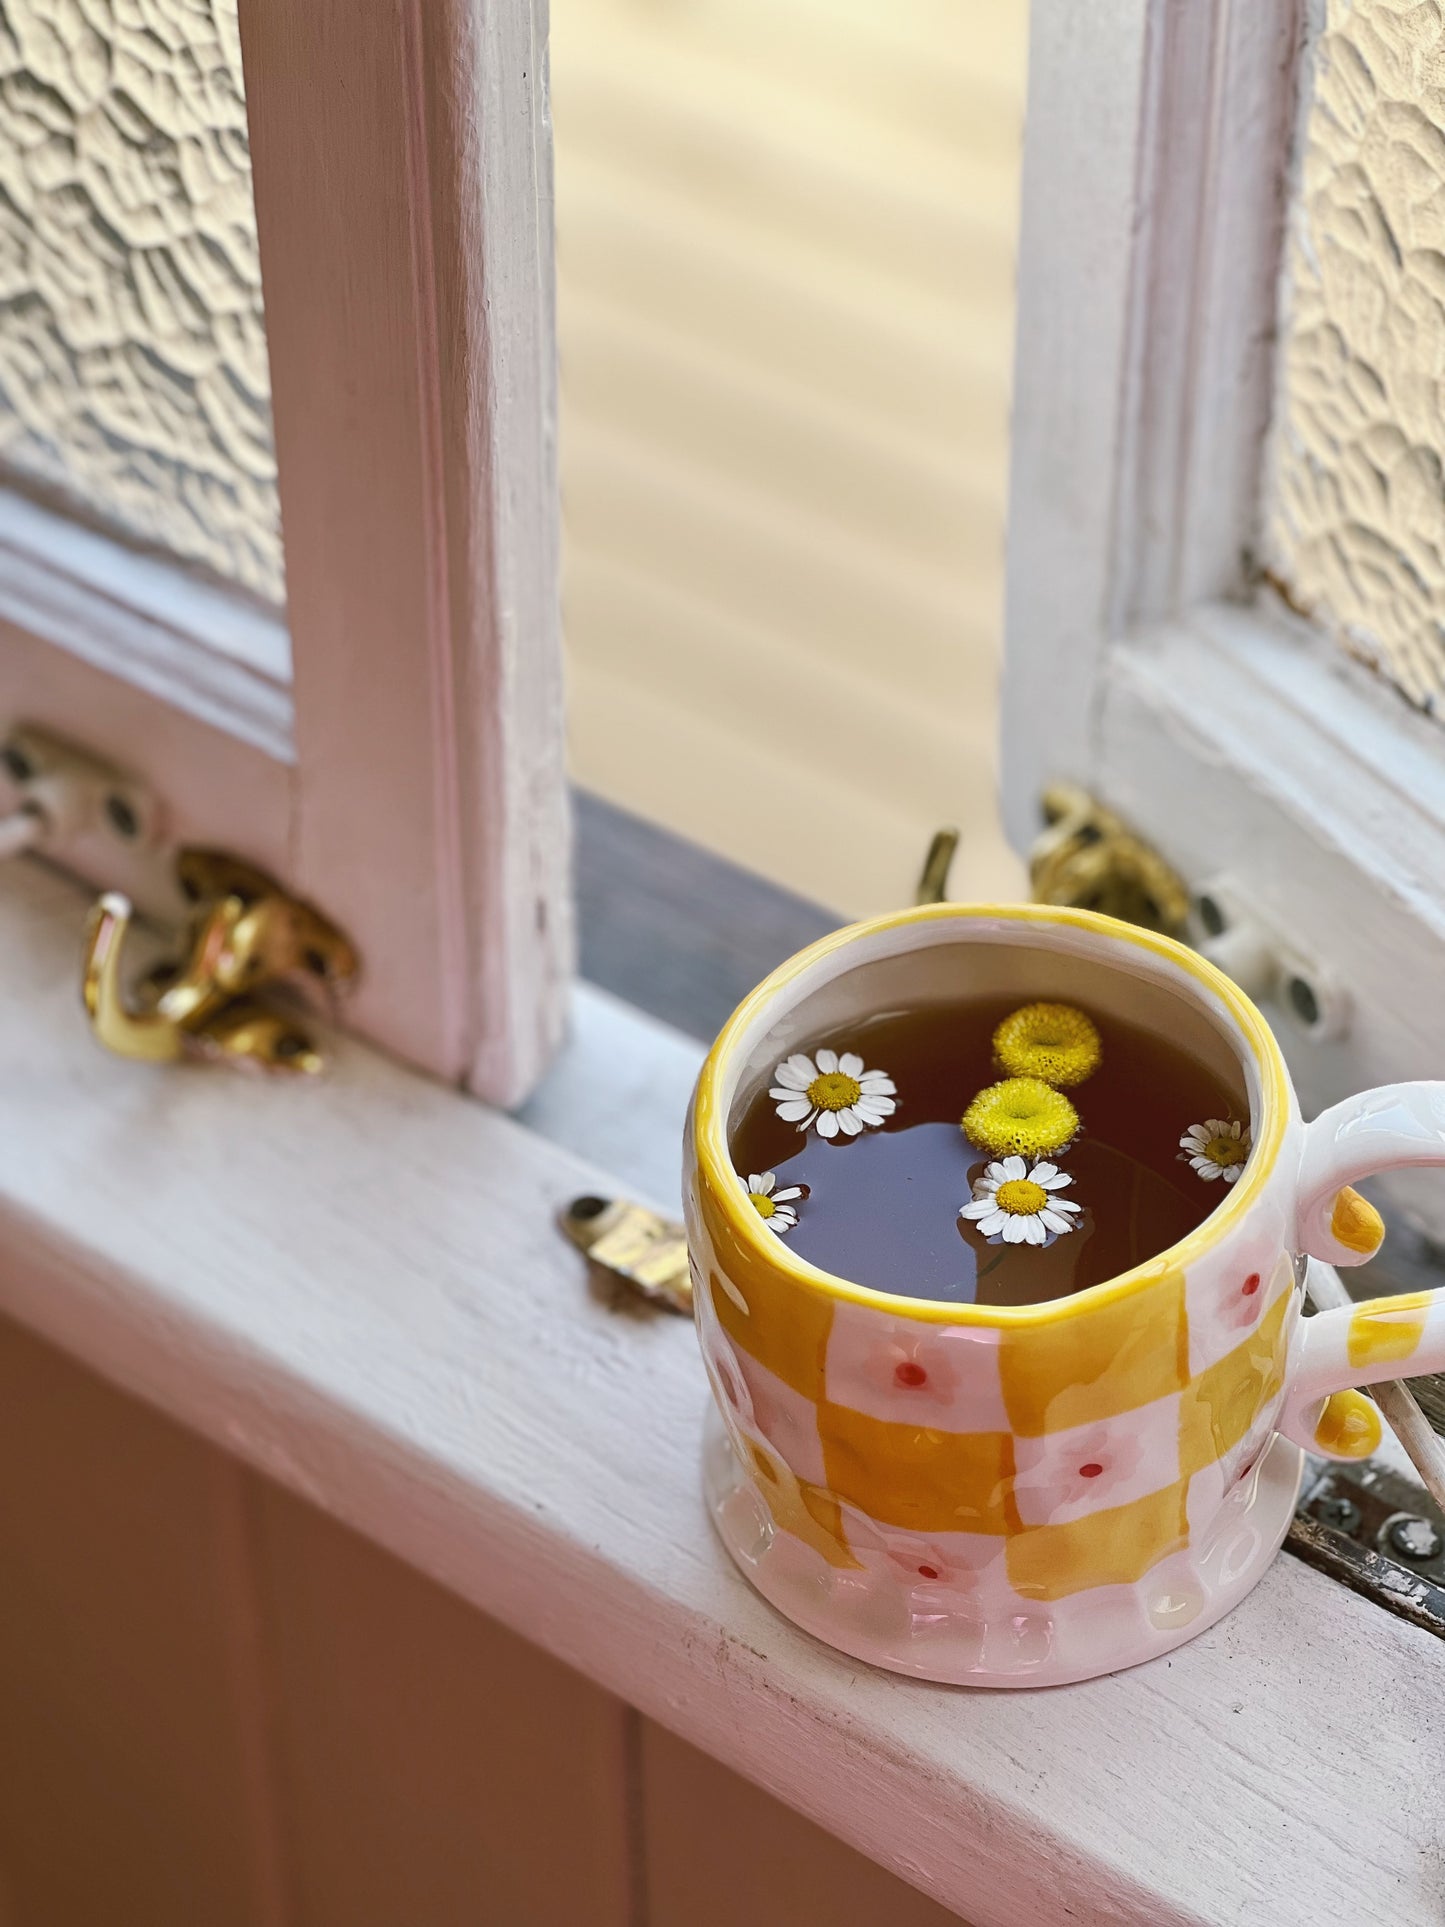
x=412, y=776
x=1144, y=659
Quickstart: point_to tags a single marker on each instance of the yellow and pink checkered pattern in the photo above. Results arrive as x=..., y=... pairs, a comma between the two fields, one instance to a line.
x=1057, y=1454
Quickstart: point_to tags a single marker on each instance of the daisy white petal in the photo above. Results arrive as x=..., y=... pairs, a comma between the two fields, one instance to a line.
x=1034, y=1232
x=1231, y=1172
x=801, y=1066
x=850, y=1122
x=873, y=1110
x=876, y=1081
x=791, y=1078
x=1013, y=1168
x=783, y=1219
x=978, y=1208
x=1051, y=1221
x=991, y=1227
x=793, y=1191
x=851, y=1065
x=761, y=1183
x=1016, y=1231
x=1041, y=1173
x=826, y=1060
x=794, y=1109
x=827, y=1124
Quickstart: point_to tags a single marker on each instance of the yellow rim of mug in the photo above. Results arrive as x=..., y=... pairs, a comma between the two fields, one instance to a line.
x=713, y=1156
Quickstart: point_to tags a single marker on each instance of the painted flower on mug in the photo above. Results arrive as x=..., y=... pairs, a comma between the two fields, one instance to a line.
x=1095, y=1468
x=1242, y=1301
x=1217, y=1148
x=834, y=1093
x=913, y=1372
x=777, y=1209
x=1015, y=1204
x=894, y=1554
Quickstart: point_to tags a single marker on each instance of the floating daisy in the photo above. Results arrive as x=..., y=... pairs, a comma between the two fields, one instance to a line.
x=835, y=1092
x=1023, y=1116
x=1021, y=1206
x=1217, y=1148
x=776, y=1208
x=1053, y=1042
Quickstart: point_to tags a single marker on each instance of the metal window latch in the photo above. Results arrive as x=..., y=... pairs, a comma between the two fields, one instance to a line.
x=1089, y=859
x=246, y=936
x=65, y=791
x=1378, y=1534
x=644, y=1252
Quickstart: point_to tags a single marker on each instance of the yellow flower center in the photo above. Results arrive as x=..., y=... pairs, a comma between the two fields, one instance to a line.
x=1022, y=1117
x=1053, y=1042
x=1226, y=1151
x=832, y=1091
x=1021, y=1197
x=764, y=1206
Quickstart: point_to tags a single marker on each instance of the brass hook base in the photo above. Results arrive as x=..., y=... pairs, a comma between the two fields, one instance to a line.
x=246, y=935
x=1089, y=859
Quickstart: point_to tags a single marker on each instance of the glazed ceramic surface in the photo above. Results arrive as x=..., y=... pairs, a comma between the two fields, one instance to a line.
x=1026, y=1495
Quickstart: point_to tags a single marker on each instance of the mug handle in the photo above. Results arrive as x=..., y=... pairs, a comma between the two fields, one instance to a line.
x=1388, y=1129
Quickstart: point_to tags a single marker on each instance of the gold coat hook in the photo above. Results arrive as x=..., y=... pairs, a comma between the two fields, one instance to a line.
x=246, y=935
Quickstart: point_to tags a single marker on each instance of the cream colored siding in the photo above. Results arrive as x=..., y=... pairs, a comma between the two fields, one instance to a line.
x=786, y=238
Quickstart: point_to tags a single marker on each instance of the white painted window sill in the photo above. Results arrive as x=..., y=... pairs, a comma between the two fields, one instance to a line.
x=359, y=1289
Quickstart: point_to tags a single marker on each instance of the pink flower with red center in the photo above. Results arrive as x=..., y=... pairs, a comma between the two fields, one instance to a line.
x=903, y=1555
x=918, y=1368
x=1243, y=1301
x=1098, y=1463
x=923, y=1564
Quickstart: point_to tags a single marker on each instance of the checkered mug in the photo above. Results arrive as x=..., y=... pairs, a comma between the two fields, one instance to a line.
x=1023, y=1495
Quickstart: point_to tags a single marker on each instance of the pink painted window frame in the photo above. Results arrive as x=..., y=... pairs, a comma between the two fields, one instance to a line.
x=410, y=775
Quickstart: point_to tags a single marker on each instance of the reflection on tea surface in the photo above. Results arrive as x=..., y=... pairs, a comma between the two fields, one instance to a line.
x=870, y=1134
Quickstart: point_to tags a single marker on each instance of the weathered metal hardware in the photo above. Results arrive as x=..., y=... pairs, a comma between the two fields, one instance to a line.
x=1089, y=859
x=65, y=791
x=1378, y=1534
x=246, y=936
x=646, y=1252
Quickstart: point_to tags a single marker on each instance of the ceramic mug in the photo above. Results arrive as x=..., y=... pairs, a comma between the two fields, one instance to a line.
x=1013, y=1496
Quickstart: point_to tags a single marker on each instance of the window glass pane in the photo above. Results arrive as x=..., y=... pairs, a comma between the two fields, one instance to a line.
x=133, y=380
x=1355, y=507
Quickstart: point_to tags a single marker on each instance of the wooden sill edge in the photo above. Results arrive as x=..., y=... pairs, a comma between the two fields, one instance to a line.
x=359, y=1290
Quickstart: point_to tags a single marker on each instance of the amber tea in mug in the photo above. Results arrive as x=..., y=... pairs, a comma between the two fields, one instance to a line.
x=881, y=1198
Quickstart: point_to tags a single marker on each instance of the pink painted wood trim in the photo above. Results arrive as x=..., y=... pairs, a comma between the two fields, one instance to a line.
x=401, y=157
x=213, y=787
